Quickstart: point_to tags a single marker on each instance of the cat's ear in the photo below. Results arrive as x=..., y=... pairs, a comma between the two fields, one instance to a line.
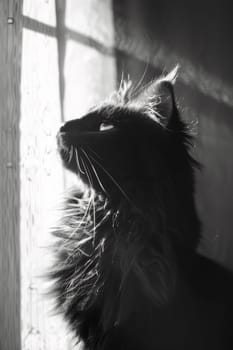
x=158, y=97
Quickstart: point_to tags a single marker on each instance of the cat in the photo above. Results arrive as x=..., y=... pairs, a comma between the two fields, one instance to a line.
x=127, y=272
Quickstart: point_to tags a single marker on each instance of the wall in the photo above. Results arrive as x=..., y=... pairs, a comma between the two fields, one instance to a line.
x=10, y=56
x=41, y=177
x=64, y=63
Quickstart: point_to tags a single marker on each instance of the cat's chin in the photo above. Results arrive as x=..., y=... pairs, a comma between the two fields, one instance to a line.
x=71, y=158
x=62, y=141
x=65, y=152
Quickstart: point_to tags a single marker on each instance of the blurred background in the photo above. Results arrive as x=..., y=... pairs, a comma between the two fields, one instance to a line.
x=57, y=59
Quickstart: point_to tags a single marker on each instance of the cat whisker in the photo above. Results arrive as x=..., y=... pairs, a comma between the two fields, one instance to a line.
x=65, y=152
x=90, y=180
x=90, y=149
x=71, y=152
x=77, y=161
x=83, y=218
x=112, y=178
x=101, y=221
x=87, y=172
x=94, y=171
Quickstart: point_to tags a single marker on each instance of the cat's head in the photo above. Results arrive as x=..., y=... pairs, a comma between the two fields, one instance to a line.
x=137, y=137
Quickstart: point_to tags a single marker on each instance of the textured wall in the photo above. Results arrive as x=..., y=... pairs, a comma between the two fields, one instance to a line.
x=40, y=172
x=62, y=76
x=10, y=55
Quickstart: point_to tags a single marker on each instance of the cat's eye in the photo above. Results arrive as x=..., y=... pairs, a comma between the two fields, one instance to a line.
x=105, y=126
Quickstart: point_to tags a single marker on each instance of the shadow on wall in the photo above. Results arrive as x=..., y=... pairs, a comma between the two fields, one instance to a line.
x=156, y=36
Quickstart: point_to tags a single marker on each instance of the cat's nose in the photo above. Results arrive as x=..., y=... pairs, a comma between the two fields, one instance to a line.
x=69, y=125
x=62, y=128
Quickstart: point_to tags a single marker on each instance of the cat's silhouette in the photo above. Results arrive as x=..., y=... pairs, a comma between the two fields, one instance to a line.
x=127, y=274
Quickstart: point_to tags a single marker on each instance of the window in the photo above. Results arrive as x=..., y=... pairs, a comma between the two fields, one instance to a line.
x=67, y=51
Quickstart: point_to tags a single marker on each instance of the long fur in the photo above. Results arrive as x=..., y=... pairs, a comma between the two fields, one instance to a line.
x=124, y=253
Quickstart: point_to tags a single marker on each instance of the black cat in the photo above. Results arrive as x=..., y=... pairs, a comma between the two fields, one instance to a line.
x=127, y=274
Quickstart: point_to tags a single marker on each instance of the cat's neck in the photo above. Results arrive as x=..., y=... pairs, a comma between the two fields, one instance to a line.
x=142, y=195
x=155, y=204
